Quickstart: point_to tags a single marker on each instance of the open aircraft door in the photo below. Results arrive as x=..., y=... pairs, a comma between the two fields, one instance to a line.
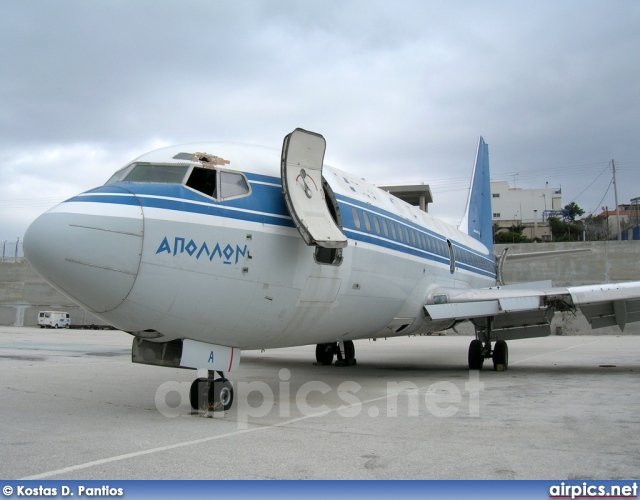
x=301, y=171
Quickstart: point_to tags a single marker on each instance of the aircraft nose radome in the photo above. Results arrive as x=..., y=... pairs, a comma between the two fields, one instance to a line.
x=88, y=248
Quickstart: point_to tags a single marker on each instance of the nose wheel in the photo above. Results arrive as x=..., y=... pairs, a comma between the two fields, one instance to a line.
x=211, y=394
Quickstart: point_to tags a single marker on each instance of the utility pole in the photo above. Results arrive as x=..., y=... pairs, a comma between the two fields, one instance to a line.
x=615, y=192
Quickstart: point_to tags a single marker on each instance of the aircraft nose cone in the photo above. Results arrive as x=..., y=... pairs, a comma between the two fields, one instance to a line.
x=89, y=247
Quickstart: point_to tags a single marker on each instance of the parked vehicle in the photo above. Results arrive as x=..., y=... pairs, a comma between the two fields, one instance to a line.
x=54, y=319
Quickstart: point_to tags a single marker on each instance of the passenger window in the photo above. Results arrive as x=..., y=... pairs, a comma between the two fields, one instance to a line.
x=356, y=218
x=376, y=223
x=393, y=230
x=385, y=228
x=233, y=185
x=406, y=233
x=367, y=222
x=400, y=233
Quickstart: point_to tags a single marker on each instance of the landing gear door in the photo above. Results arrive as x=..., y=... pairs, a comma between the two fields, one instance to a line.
x=301, y=171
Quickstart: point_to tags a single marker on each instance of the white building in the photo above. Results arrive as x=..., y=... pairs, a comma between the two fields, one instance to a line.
x=526, y=207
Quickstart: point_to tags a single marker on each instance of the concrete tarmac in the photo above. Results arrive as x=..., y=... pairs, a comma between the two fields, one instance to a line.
x=75, y=407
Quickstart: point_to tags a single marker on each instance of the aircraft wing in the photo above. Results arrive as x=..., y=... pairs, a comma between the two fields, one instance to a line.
x=525, y=310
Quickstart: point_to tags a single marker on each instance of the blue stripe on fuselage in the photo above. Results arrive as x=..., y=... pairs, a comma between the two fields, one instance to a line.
x=486, y=262
x=266, y=205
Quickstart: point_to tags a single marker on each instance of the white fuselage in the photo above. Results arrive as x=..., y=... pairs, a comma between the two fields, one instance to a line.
x=166, y=258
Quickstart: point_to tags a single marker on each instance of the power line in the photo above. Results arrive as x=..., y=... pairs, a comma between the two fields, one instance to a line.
x=605, y=195
x=29, y=204
x=592, y=183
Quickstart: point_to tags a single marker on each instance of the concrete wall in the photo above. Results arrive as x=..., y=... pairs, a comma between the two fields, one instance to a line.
x=23, y=293
x=606, y=262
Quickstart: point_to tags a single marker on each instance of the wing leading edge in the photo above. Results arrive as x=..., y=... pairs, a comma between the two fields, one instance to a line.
x=525, y=310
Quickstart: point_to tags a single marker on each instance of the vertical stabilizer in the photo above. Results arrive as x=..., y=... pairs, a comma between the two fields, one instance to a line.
x=477, y=220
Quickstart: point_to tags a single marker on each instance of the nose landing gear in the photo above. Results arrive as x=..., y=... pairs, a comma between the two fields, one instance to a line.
x=211, y=394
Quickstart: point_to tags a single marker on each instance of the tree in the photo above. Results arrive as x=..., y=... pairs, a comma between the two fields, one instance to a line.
x=565, y=231
x=596, y=228
x=511, y=235
x=574, y=211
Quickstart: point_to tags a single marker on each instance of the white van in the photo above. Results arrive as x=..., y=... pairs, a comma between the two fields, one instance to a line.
x=54, y=319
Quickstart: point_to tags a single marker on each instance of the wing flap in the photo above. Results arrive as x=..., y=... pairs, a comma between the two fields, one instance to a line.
x=464, y=310
x=618, y=312
x=521, y=312
x=519, y=304
x=608, y=304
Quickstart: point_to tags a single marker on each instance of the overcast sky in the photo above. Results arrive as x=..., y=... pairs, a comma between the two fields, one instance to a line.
x=400, y=90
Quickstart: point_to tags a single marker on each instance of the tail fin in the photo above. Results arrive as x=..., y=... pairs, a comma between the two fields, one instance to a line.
x=477, y=220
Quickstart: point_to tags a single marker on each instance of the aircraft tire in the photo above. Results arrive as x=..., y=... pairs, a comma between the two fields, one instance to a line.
x=199, y=394
x=349, y=353
x=324, y=353
x=476, y=359
x=220, y=395
x=500, y=356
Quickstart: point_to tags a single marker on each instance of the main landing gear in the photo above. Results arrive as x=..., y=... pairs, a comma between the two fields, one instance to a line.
x=344, y=351
x=480, y=349
x=210, y=394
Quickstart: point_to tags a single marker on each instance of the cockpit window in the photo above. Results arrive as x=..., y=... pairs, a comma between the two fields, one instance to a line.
x=119, y=175
x=232, y=185
x=165, y=174
x=219, y=184
x=203, y=180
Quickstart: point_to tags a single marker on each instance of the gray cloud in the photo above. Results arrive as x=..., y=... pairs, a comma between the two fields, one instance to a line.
x=401, y=90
